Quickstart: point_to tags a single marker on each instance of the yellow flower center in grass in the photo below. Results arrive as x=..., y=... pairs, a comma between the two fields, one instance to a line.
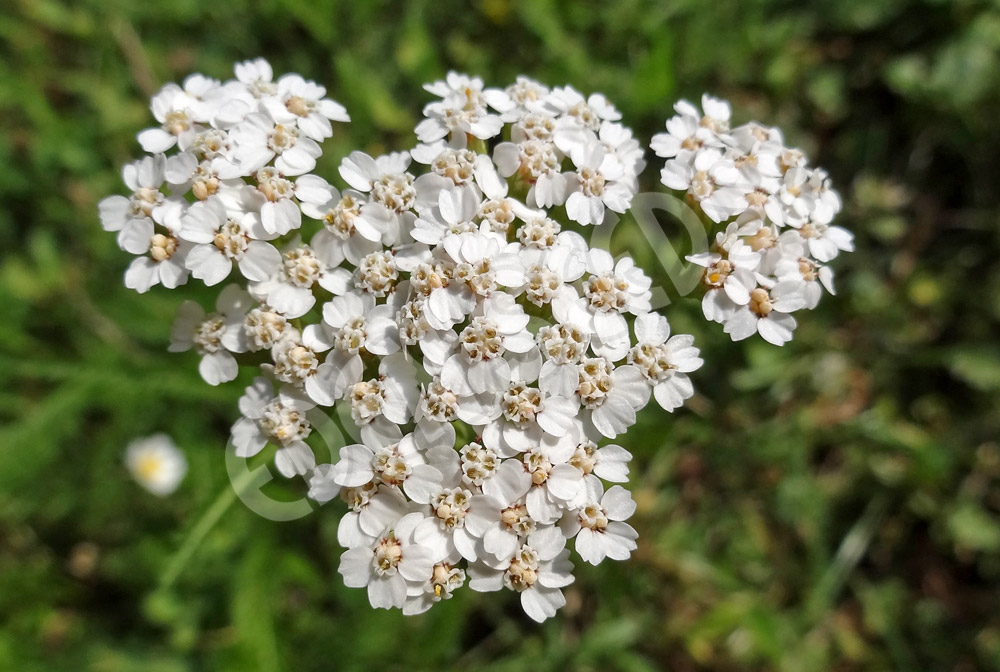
x=149, y=466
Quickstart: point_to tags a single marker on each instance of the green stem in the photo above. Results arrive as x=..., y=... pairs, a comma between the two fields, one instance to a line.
x=179, y=560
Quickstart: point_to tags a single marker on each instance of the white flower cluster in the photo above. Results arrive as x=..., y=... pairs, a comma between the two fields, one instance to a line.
x=486, y=355
x=238, y=144
x=771, y=259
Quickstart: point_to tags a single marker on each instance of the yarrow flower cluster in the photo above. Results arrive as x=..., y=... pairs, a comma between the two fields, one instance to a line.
x=446, y=302
x=771, y=258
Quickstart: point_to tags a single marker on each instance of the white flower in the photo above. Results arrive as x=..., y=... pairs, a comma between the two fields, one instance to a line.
x=277, y=418
x=213, y=336
x=165, y=264
x=259, y=139
x=815, y=276
x=482, y=262
x=446, y=578
x=479, y=365
x=611, y=395
x=390, y=565
x=713, y=180
x=599, y=524
x=537, y=570
x=609, y=462
x=132, y=217
x=220, y=240
x=156, y=463
x=729, y=277
x=264, y=327
x=601, y=182
x=826, y=242
x=399, y=464
x=463, y=109
x=290, y=291
x=438, y=310
x=177, y=111
x=256, y=75
x=273, y=197
x=538, y=163
x=443, y=531
x=664, y=360
x=372, y=509
x=390, y=186
x=587, y=112
x=345, y=233
x=767, y=313
x=303, y=103
x=501, y=516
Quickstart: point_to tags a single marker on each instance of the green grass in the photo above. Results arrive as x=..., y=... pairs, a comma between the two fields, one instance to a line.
x=832, y=505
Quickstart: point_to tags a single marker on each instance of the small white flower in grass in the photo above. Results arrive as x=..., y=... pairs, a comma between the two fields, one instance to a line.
x=389, y=566
x=276, y=418
x=537, y=570
x=664, y=360
x=599, y=524
x=156, y=463
x=213, y=336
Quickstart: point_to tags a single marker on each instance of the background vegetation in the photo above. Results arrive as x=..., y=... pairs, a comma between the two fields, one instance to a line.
x=832, y=505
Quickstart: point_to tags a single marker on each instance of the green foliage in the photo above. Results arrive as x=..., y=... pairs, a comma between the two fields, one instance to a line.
x=831, y=505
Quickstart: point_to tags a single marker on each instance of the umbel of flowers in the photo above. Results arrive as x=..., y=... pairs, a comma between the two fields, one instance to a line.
x=444, y=296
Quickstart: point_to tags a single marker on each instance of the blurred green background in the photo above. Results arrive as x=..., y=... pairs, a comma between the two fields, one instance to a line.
x=832, y=505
